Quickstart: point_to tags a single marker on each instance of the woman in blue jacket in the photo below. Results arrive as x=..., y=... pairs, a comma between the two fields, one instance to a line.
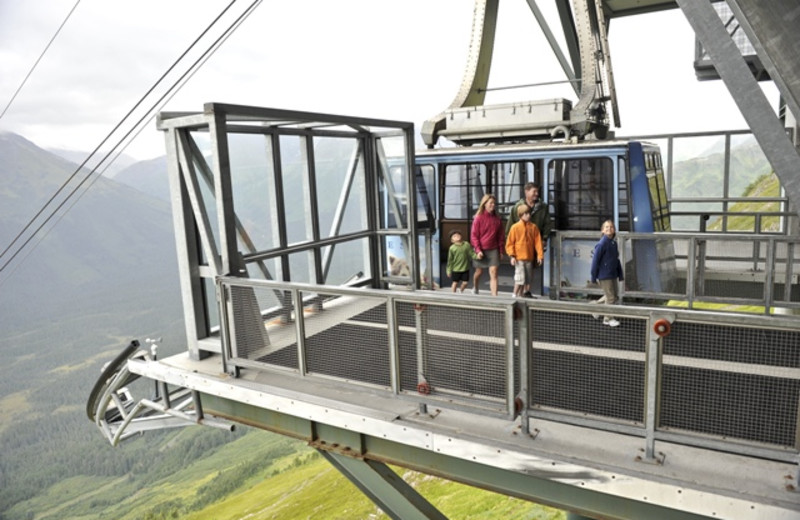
x=606, y=268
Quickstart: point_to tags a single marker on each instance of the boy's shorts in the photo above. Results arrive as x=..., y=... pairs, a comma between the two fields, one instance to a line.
x=459, y=276
x=523, y=272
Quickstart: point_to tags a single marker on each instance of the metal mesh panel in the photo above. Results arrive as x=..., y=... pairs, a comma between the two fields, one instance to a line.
x=276, y=334
x=580, y=365
x=459, y=352
x=347, y=337
x=518, y=376
x=249, y=335
x=733, y=382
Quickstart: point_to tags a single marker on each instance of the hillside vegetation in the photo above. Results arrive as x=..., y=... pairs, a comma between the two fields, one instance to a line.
x=766, y=185
x=255, y=475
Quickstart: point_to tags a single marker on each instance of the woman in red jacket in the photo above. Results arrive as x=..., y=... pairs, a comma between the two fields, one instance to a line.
x=488, y=239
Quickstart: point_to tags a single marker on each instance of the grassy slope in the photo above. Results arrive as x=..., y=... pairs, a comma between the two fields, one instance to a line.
x=265, y=476
x=765, y=186
x=315, y=489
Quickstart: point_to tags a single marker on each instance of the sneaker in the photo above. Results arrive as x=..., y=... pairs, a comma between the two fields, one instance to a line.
x=596, y=316
x=474, y=290
x=611, y=323
x=527, y=294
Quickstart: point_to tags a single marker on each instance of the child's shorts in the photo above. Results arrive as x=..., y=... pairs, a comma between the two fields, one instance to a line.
x=459, y=276
x=523, y=272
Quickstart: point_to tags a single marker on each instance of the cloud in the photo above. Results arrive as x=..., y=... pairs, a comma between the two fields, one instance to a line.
x=397, y=60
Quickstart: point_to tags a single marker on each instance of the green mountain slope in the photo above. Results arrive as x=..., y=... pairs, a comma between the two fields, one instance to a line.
x=148, y=177
x=767, y=185
x=256, y=476
x=703, y=176
x=112, y=239
x=104, y=274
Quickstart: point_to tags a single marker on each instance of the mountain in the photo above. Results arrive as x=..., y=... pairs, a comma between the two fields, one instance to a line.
x=109, y=238
x=105, y=272
x=704, y=174
x=120, y=162
x=149, y=177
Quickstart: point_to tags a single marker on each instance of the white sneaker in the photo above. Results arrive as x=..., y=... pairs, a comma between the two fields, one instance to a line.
x=474, y=290
x=611, y=323
x=596, y=316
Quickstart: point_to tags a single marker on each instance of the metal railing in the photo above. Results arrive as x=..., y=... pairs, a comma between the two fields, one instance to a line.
x=723, y=381
x=755, y=271
x=718, y=154
x=456, y=350
x=748, y=221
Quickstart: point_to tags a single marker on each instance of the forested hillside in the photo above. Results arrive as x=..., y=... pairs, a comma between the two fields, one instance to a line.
x=104, y=273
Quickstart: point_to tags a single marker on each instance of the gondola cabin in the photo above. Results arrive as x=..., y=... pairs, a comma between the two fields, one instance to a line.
x=583, y=184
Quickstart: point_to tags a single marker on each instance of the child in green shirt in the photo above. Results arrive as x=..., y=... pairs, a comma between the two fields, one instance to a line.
x=459, y=258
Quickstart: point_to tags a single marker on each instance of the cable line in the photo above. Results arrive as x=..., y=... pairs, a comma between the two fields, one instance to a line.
x=190, y=71
x=38, y=60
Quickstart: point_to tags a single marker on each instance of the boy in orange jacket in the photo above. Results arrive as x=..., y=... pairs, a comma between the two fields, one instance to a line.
x=524, y=246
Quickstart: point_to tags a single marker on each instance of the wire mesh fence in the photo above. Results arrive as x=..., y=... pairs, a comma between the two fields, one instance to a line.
x=453, y=351
x=735, y=381
x=581, y=366
x=731, y=382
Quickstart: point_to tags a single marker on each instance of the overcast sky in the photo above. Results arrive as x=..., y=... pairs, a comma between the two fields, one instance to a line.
x=401, y=59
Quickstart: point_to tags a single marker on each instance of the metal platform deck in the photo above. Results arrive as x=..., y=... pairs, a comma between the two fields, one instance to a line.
x=562, y=461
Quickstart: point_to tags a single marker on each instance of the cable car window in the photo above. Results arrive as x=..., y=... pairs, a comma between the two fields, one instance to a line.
x=425, y=195
x=658, y=194
x=624, y=223
x=464, y=185
x=508, y=181
x=395, y=199
x=581, y=192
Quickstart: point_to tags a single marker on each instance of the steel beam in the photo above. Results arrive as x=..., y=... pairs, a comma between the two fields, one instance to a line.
x=384, y=487
x=476, y=75
x=759, y=114
x=772, y=29
x=535, y=486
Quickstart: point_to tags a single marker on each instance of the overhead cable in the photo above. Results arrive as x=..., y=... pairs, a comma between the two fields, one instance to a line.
x=171, y=91
x=28, y=75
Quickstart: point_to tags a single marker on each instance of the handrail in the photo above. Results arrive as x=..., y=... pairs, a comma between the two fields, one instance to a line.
x=764, y=262
x=417, y=342
x=758, y=217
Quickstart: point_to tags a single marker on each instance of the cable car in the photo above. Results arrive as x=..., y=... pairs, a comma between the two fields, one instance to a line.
x=583, y=183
